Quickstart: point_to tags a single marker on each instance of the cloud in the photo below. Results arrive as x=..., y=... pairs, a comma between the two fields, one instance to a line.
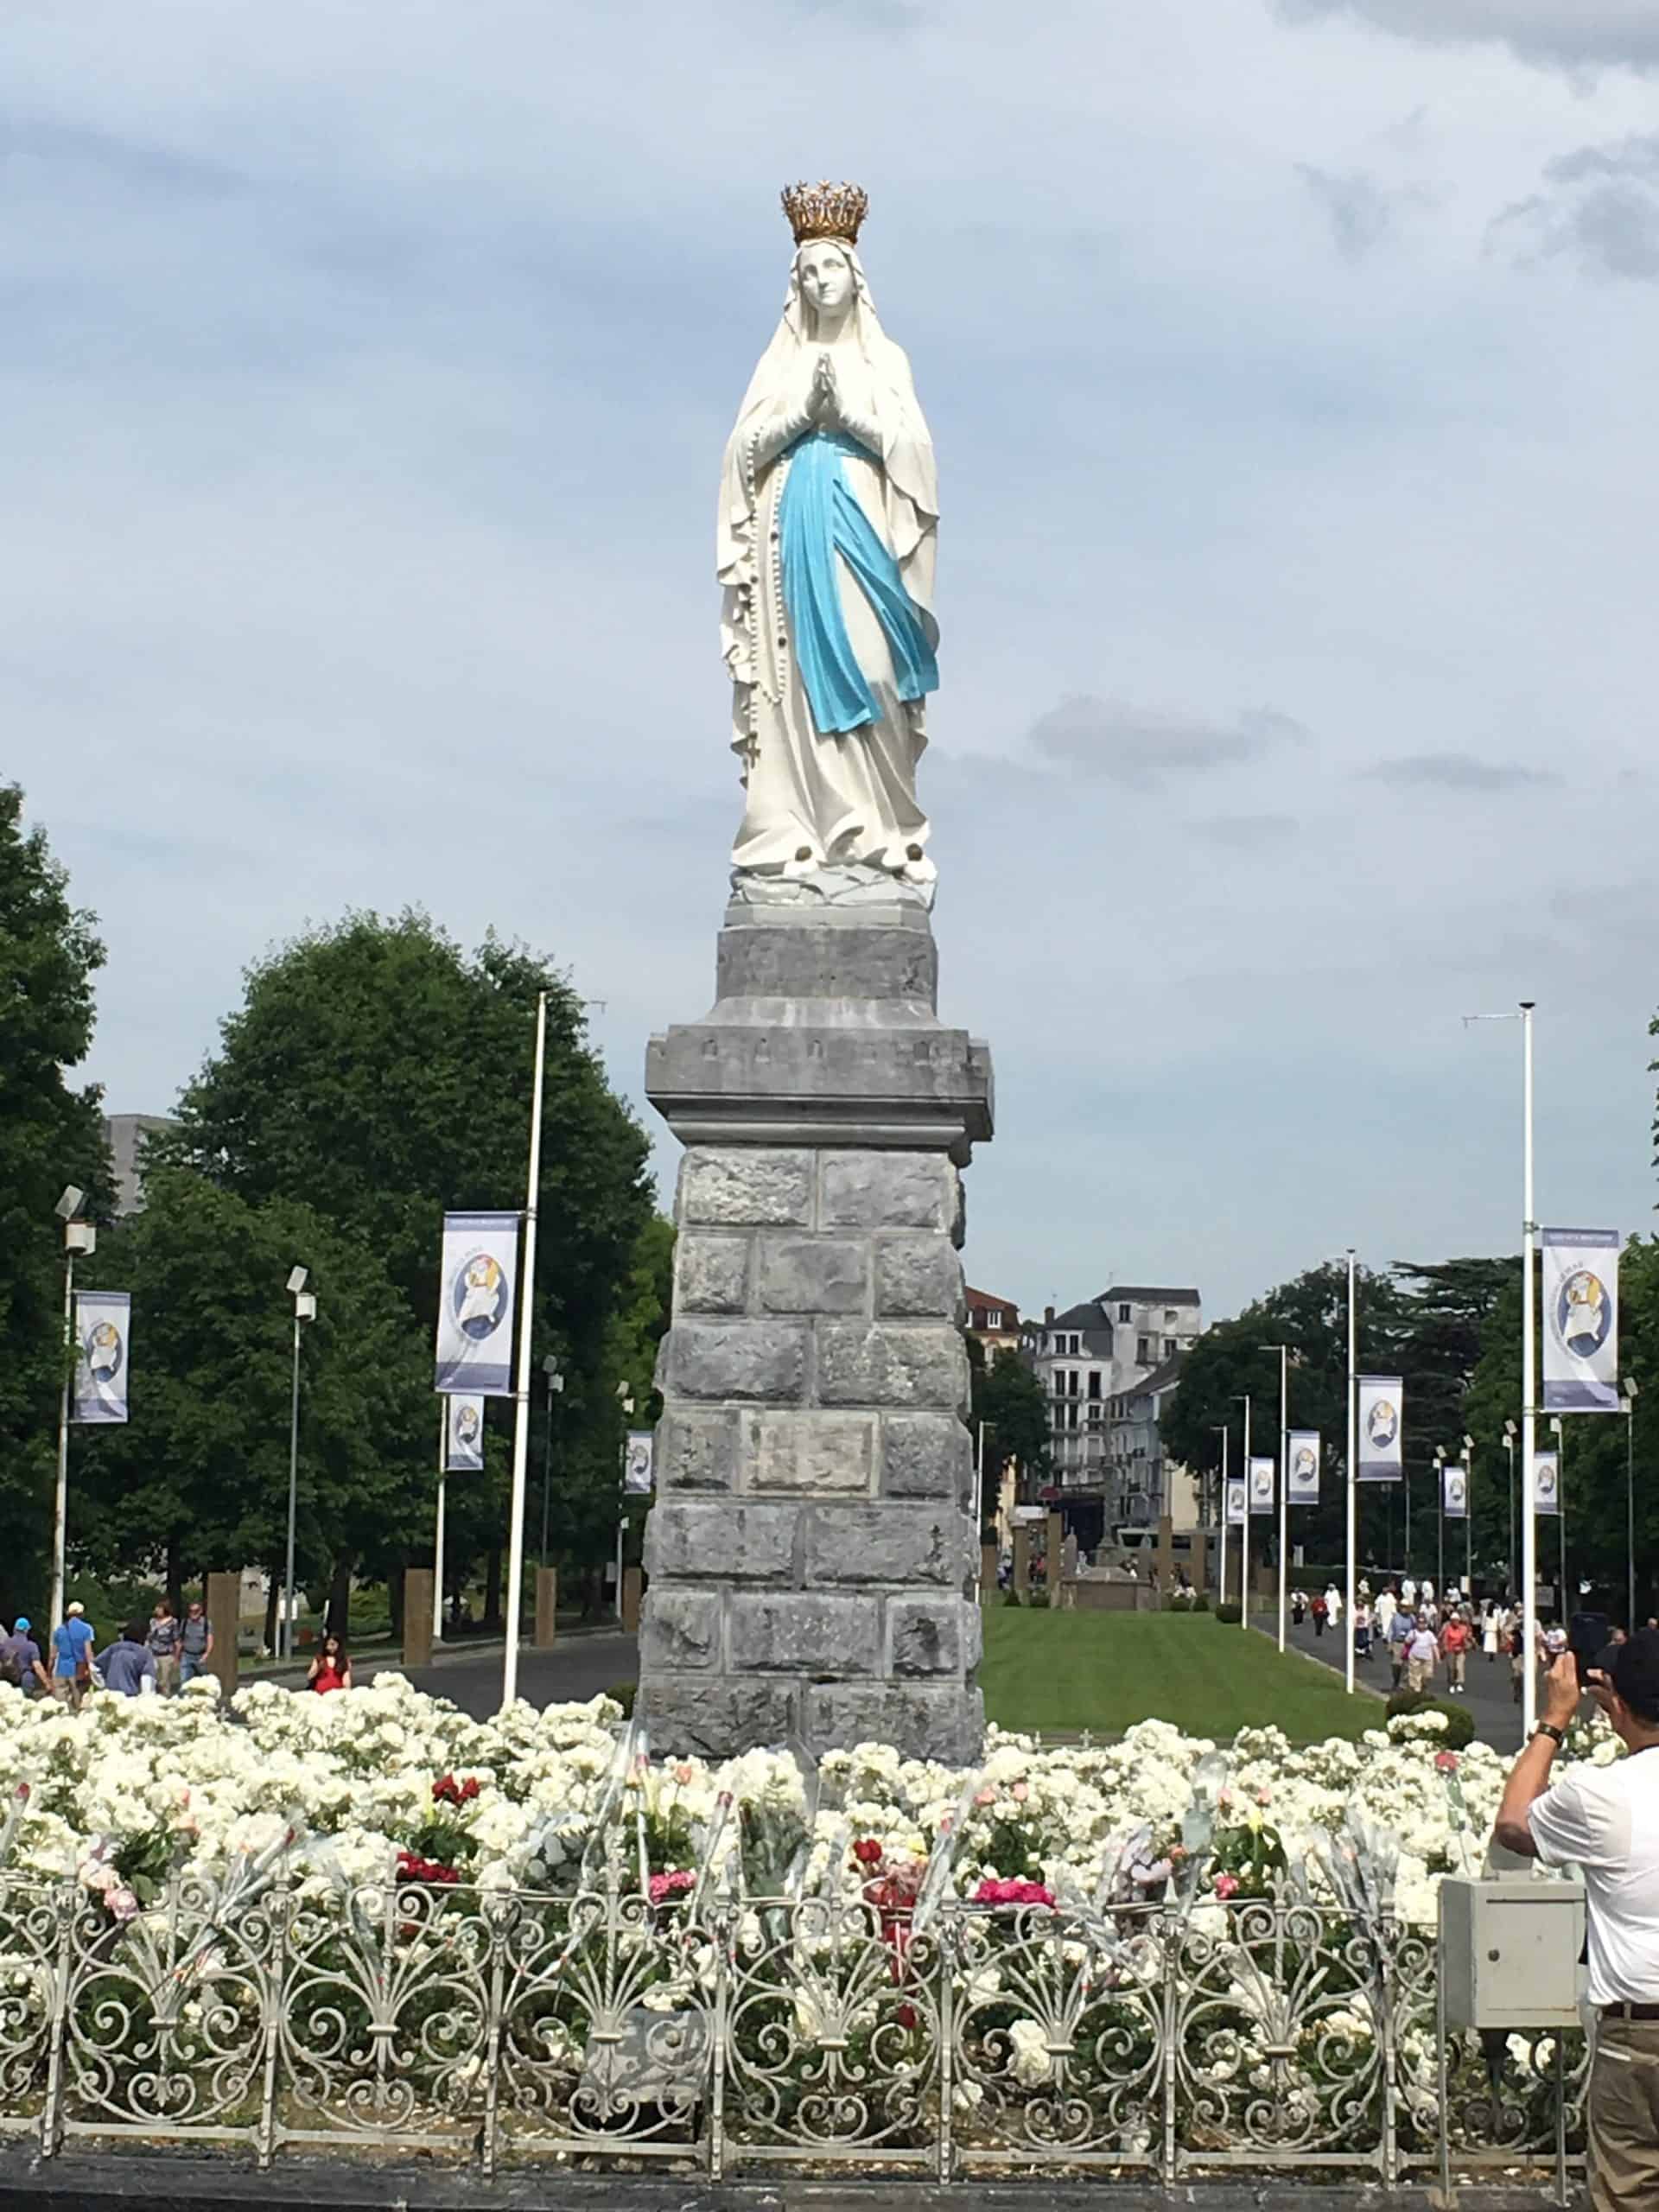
x=1575, y=34
x=1361, y=212
x=1144, y=747
x=1456, y=772
x=1600, y=208
x=1246, y=832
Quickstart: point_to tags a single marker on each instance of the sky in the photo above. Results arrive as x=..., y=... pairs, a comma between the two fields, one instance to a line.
x=365, y=373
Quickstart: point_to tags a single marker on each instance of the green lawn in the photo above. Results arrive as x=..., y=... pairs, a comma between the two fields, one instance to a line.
x=1105, y=1671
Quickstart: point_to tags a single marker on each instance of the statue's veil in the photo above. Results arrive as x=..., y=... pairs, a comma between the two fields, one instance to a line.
x=910, y=494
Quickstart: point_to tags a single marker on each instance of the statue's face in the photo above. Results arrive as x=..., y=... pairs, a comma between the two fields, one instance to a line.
x=826, y=278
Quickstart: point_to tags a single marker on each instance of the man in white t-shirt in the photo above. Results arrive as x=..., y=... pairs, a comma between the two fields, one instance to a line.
x=1605, y=1821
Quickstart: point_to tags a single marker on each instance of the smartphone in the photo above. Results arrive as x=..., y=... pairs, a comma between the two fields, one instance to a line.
x=1588, y=1636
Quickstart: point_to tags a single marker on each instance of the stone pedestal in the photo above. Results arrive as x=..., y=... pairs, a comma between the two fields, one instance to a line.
x=417, y=1616
x=547, y=1601
x=814, y=1550
x=222, y=1597
x=989, y=1563
x=1022, y=1557
x=632, y=1582
x=1054, y=1562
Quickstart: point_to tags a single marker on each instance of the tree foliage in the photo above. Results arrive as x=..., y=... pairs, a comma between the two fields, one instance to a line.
x=51, y=1133
x=1008, y=1397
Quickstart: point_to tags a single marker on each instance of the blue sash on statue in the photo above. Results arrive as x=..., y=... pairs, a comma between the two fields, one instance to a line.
x=821, y=518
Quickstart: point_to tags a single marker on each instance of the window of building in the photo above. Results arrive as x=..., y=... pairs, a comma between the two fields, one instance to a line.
x=1124, y=1313
x=1171, y=1347
x=1071, y=1416
x=1143, y=1350
x=1094, y=1382
x=1170, y=1317
x=1072, y=1383
x=993, y=1317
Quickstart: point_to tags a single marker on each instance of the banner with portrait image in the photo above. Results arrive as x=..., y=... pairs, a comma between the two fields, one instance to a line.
x=1455, y=1493
x=1545, y=1482
x=475, y=1304
x=1262, y=1485
x=463, y=1434
x=1302, y=1459
x=1235, y=1503
x=636, y=1463
x=103, y=1322
x=1581, y=1273
x=1381, y=1404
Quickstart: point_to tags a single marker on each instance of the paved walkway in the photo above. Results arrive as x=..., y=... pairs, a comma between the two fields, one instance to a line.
x=577, y=1667
x=1498, y=1718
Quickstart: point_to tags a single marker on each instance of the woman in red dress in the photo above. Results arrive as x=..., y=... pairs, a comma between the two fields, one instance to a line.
x=331, y=1669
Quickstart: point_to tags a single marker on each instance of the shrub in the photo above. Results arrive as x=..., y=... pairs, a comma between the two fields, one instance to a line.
x=1230, y=1615
x=1193, y=1601
x=1038, y=1597
x=1011, y=1597
x=624, y=1692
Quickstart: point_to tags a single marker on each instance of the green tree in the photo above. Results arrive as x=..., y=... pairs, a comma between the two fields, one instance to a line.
x=1008, y=1397
x=382, y=1075
x=198, y=1478
x=51, y=1133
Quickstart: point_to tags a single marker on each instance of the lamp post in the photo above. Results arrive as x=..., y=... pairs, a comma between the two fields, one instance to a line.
x=1283, y=1351
x=1245, y=1533
x=624, y=1392
x=1558, y=1429
x=305, y=1309
x=1630, y=1396
x=1440, y=1509
x=1351, y=1470
x=1509, y=1446
x=79, y=1237
x=554, y=1389
x=1468, y=1519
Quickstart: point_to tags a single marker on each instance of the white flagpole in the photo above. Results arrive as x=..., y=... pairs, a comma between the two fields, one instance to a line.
x=1222, y=1599
x=1244, y=1548
x=521, y=1425
x=1528, y=1370
x=60, y=1496
x=438, y=1533
x=1352, y=1470
x=1284, y=1480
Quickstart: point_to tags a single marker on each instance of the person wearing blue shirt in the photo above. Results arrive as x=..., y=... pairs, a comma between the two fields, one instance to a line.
x=129, y=1665
x=72, y=1657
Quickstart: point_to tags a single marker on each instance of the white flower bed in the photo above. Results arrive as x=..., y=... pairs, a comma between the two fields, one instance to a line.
x=132, y=1788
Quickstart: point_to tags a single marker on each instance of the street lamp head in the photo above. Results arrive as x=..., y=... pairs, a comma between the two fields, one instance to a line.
x=69, y=1204
x=297, y=1279
x=1468, y=1442
x=1508, y=1430
x=1629, y=1387
x=551, y=1365
x=305, y=1306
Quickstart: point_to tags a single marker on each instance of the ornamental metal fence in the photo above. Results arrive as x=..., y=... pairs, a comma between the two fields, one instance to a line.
x=502, y=2027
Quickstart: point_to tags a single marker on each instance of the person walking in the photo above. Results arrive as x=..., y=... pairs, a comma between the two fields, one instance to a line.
x=1605, y=1822
x=1333, y=1605
x=1402, y=1629
x=1362, y=1630
x=72, y=1656
x=1489, y=1632
x=1387, y=1607
x=165, y=1631
x=1455, y=1639
x=1320, y=1611
x=1421, y=1653
x=331, y=1669
x=1408, y=1593
x=195, y=1642
x=1297, y=1607
x=20, y=1659
x=128, y=1666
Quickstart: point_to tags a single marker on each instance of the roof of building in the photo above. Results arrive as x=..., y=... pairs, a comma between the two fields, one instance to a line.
x=1086, y=1316
x=1151, y=1293
x=989, y=1298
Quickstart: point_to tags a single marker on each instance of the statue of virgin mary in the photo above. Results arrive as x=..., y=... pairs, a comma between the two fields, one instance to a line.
x=828, y=514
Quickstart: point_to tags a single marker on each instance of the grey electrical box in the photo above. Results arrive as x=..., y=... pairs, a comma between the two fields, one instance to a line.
x=1510, y=1952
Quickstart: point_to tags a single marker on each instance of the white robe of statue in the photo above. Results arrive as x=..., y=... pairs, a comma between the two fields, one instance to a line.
x=843, y=806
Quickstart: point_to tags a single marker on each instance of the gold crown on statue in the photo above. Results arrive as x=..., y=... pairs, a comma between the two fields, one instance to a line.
x=825, y=209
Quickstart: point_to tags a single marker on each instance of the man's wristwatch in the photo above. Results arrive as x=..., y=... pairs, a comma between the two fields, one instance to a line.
x=1557, y=1736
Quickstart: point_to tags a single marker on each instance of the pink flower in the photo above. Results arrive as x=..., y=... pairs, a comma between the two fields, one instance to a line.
x=1226, y=1886
x=993, y=1891
x=1019, y=1792
x=122, y=1903
x=985, y=1797
x=675, y=1883
x=683, y=1772
x=1446, y=1762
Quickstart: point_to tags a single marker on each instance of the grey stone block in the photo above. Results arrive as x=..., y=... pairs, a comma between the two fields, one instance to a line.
x=715, y=1715
x=919, y=1276
x=736, y=1359
x=810, y=1452
x=708, y=1540
x=710, y=1273
x=885, y=1544
x=791, y=960
x=887, y=1189
x=927, y=1455
x=696, y=1451
x=932, y=1636
x=924, y=1720
x=889, y=1365
x=741, y=1188
x=813, y=1275
x=794, y=1632
x=679, y=1628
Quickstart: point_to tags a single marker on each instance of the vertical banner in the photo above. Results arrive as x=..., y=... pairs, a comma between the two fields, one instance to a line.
x=1580, y=1272
x=1545, y=1482
x=463, y=1435
x=1381, y=1444
x=636, y=1463
x=1302, y=1457
x=1235, y=1503
x=1262, y=1485
x=475, y=1304
x=1455, y=1493
x=103, y=1319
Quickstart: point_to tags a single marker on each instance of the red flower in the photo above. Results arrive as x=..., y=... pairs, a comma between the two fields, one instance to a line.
x=1446, y=1762
x=993, y=1891
x=907, y=2015
x=1226, y=1886
x=674, y=1884
x=411, y=1867
x=868, y=1851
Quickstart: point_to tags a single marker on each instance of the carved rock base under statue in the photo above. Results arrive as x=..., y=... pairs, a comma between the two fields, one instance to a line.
x=814, y=1549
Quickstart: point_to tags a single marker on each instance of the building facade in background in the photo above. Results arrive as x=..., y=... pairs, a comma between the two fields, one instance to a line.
x=126, y=1134
x=994, y=1321
x=1092, y=1359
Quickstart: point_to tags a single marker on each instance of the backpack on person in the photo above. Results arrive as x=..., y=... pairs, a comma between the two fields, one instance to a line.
x=12, y=1662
